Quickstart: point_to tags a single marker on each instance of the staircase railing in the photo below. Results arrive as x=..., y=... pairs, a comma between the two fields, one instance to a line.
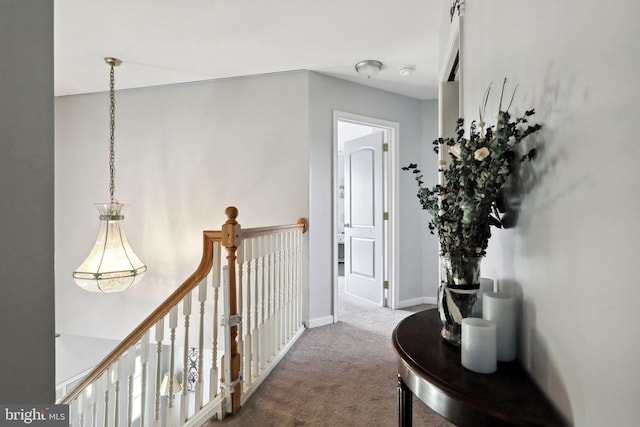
x=247, y=311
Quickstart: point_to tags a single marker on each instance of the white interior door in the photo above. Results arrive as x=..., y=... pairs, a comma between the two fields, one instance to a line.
x=363, y=213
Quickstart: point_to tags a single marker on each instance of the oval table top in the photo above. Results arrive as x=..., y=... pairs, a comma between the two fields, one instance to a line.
x=432, y=370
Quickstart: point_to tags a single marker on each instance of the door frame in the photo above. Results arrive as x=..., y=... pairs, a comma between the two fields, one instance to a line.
x=390, y=204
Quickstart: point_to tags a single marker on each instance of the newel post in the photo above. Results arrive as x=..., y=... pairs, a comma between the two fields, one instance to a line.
x=231, y=241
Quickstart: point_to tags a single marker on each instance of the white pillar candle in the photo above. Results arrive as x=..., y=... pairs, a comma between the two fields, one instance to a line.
x=501, y=309
x=478, y=345
x=486, y=285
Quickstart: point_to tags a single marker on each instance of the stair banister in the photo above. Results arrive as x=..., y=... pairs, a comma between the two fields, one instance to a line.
x=159, y=313
x=230, y=237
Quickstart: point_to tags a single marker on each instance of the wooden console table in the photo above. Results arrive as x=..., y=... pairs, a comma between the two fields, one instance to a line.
x=431, y=369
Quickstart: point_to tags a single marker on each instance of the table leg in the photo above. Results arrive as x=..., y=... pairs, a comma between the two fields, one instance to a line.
x=405, y=404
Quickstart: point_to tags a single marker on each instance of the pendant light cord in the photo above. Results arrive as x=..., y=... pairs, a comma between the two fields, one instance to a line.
x=112, y=126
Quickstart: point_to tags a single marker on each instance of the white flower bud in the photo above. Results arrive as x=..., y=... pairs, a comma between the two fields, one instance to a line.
x=481, y=153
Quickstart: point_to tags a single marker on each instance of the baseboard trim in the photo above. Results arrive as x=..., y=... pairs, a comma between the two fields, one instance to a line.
x=417, y=301
x=328, y=320
x=320, y=321
x=263, y=375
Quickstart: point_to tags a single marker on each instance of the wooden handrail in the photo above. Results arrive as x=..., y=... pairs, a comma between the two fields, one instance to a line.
x=201, y=272
x=262, y=231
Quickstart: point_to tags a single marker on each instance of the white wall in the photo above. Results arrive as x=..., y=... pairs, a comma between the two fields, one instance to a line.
x=428, y=166
x=26, y=190
x=326, y=95
x=573, y=254
x=74, y=354
x=183, y=153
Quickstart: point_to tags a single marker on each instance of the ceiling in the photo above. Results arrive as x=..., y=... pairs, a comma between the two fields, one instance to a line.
x=169, y=41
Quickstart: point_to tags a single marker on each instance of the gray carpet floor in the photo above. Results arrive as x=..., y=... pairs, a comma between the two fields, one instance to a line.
x=337, y=375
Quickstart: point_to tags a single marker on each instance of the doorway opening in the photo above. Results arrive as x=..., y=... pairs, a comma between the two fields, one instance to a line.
x=364, y=198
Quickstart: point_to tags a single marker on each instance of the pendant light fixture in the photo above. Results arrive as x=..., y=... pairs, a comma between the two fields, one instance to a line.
x=111, y=266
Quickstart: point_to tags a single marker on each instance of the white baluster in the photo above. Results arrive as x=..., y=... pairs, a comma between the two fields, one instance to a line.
x=292, y=272
x=130, y=359
x=287, y=286
x=202, y=299
x=288, y=306
x=292, y=284
x=85, y=407
x=283, y=284
x=242, y=309
x=215, y=283
x=272, y=297
x=289, y=324
x=227, y=338
x=106, y=379
x=94, y=403
x=255, y=307
x=283, y=291
x=144, y=387
x=280, y=292
x=298, y=263
x=159, y=337
x=276, y=295
x=259, y=330
x=264, y=306
x=266, y=262
x=173, y=324
x=283, y=281
x=115, y=378
x=247, y=355
x=82, y=413
x=184, y=403
x=73, y=411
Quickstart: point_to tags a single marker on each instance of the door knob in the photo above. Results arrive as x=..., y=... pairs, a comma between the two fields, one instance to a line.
x=347, y=225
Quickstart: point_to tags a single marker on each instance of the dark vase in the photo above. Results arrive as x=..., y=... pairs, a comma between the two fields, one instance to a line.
x=457, y=294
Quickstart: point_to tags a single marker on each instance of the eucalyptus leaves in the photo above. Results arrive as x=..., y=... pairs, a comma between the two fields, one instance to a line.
x=467, y=205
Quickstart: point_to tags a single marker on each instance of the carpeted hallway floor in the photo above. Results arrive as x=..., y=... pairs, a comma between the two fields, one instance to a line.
x=337, y=375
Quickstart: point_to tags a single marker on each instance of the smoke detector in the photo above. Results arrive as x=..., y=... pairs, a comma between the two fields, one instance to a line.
x=406, y=70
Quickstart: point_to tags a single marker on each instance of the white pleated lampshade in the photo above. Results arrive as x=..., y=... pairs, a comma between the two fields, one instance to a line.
x=112, y=265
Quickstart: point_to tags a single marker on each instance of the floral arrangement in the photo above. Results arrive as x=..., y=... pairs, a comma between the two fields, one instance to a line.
x=469, y=203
